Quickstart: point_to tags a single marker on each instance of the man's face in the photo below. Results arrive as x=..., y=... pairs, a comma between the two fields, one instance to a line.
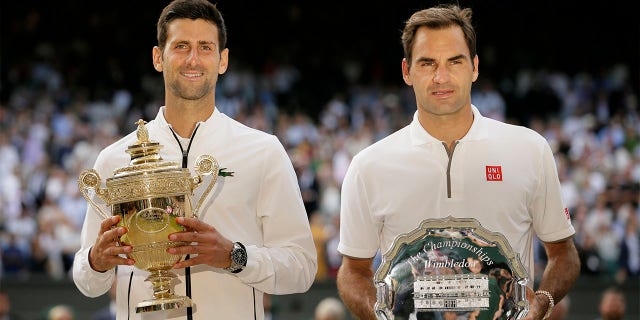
x=191, y=60
x=441, y=71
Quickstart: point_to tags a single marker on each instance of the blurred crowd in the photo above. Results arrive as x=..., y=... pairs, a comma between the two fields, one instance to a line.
x=51, y=129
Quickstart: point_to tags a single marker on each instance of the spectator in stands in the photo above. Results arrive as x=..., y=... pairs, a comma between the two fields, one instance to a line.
x=15, y=259
x=330, y=308
x=61, y=312
x=5, y=308
x=267, y=304
x=612, y=304
x=629, y=257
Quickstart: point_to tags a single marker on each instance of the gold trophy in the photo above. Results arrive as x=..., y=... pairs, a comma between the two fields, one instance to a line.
x=148, y=195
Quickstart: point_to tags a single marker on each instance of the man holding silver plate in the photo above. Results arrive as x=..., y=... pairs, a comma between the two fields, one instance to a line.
x=453, y=201
x=247, y=232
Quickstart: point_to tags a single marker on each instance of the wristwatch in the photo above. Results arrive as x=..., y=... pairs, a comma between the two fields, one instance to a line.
x=238, y=258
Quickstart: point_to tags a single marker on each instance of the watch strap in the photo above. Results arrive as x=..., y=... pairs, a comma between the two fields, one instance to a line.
x=238, y=257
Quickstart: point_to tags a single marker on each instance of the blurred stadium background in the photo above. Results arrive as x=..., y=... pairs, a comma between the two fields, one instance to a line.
x=325, y=78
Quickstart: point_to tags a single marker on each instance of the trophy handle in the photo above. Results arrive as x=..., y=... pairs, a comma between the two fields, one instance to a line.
x=205, y=165
x=90, y=179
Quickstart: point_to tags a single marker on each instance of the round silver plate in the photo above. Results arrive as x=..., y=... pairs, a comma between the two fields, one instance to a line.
x=451, y=268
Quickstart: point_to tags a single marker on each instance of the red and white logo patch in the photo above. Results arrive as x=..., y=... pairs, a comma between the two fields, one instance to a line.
x=566, y=213
x=494, y=173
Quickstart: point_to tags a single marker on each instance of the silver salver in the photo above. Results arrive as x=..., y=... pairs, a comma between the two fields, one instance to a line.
x=451, y=268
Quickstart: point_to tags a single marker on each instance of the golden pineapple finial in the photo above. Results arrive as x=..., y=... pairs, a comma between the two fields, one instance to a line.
x=142, y=133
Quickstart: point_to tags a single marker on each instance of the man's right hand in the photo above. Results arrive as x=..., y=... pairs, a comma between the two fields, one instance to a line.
x=105, y=253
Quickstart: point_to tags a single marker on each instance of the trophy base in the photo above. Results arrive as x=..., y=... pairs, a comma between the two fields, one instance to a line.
x=163, y=304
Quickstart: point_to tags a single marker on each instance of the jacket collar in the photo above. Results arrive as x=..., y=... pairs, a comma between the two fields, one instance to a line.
x=420, y=136
x=162, y=121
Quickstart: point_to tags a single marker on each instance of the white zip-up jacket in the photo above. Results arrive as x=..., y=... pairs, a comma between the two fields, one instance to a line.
x=260, y=206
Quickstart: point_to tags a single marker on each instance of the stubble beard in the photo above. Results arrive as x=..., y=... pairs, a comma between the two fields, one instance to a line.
x=191, y=92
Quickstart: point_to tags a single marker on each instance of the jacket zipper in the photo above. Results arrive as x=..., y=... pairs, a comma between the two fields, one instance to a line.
x=450, y=155
x=185, y=161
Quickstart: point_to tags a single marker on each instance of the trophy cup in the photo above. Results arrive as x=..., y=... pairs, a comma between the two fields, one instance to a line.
x=451, y=267
x=148, y=195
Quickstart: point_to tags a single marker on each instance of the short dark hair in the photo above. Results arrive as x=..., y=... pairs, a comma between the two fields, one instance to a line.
x=439, y=17
x=191, y=9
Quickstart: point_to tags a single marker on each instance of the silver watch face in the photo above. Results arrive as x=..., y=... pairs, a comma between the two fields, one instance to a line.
x=238, y=256
x=451, y=268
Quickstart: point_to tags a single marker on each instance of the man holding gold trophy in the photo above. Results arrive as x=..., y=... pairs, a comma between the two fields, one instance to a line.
x=246, y=232
x=453, y=200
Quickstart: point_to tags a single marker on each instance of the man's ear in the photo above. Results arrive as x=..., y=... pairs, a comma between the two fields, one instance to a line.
x=156, y=56
x=224, y=61
x=405, y=72
x=476, y=71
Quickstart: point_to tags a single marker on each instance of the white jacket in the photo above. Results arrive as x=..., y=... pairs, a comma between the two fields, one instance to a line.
x=260, y=206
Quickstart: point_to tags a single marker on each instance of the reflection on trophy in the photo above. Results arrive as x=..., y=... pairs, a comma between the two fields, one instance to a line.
x=148, y=195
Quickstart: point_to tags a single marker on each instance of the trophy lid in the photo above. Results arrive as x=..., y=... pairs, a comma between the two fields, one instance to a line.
x=145, y=155
x=147, y=175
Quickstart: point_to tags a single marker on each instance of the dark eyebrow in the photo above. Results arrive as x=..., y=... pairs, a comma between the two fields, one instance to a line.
x=454, y=58
x=199, y=42
x=425, y=59
x=458, y=57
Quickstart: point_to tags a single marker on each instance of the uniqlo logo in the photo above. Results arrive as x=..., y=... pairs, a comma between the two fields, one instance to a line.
x=494, y=173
